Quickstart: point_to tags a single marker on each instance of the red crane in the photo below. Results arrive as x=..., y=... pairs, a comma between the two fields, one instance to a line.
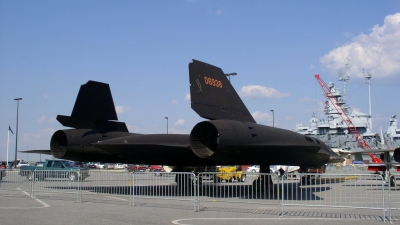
x=363, y=143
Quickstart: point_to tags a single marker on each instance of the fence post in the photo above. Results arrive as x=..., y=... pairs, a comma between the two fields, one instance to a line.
x=79, y=186
x=195, y=182
x=31, y=184
x=383, y=198
x=133, y=190
x=281, y=190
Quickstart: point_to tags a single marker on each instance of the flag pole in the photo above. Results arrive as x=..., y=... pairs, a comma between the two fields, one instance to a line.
x=8, y=142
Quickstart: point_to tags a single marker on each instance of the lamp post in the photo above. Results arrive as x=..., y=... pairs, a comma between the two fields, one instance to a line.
x=167, y=123
x=229, y=75
x=16, y=133
x=273, y=118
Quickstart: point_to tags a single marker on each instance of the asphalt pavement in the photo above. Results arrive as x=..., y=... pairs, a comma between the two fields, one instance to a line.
x=61, y=208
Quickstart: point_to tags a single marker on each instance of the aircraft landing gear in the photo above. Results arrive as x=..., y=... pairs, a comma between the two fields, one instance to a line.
x=388, y=178
x=264, y=179
x=392, y=182
x=305, y=178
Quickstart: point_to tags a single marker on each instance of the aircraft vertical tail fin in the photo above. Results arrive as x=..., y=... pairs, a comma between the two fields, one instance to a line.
x=213, y=96
x=94, y=108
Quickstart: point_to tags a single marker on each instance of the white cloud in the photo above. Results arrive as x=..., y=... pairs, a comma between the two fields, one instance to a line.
x=187, y=97
x=120, y=109
x=261, y=92
x=175, y=102
x=45, y=96
x=180, y=122
x=134, y=129
x=377, y=52
x=42, y=119
x=219, y=12
x=260, y=116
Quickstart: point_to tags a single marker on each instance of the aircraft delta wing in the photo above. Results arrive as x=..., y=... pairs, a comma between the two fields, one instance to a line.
x=232, y=135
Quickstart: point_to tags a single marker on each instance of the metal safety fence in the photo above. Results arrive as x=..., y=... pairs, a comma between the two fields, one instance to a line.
x=363, y=191
x=250, y=188
x=166, y=186
x=393, y=198
x=347, y=190
x=103, y=182
x=49, y=181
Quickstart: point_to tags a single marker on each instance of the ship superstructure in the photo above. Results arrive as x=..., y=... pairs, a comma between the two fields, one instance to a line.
x=335, y=133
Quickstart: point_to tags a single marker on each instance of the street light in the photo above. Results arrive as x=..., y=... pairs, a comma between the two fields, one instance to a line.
x=167, y=123
x=16, y=133
x=229, y=75
x=273, y=118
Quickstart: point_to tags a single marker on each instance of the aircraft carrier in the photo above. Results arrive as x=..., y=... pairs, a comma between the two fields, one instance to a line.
x=335, y=133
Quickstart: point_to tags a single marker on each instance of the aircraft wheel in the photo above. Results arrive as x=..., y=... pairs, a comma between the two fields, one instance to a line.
x=392, y=182
x=72, y=177
x=303, y=180
x=29, y=175
x=232, y=179
x=306, y=180
x=243, y=178
x=216, y=179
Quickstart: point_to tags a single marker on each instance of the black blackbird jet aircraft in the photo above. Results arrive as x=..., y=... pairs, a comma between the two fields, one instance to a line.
x=230, y=136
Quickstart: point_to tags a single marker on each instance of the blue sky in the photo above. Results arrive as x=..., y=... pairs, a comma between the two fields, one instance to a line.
x=142, y=49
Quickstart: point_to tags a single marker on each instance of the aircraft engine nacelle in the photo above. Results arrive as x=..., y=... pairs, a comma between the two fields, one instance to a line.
x=62, y=140
x=228, y=140
x=396, y=155
x=209, y=137
x=75, y=144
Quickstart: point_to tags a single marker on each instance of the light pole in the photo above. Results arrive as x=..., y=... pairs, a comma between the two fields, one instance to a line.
x=16, y=133
x=273, y=118
x=167, y=123
x=229, y=75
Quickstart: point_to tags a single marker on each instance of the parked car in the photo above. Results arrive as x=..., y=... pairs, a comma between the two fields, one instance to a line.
x=137, y=168
x=22, y=163
x=156, y=168
x=253, y=169
x=119, y=166
x=3, y=168
x=79, y=164
x=99, y=165
x=54, y=169
x=39, y=164
x=109, y=166
x=91, y=166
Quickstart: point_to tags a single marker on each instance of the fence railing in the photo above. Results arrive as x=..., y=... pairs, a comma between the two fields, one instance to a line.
x=363, y=191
